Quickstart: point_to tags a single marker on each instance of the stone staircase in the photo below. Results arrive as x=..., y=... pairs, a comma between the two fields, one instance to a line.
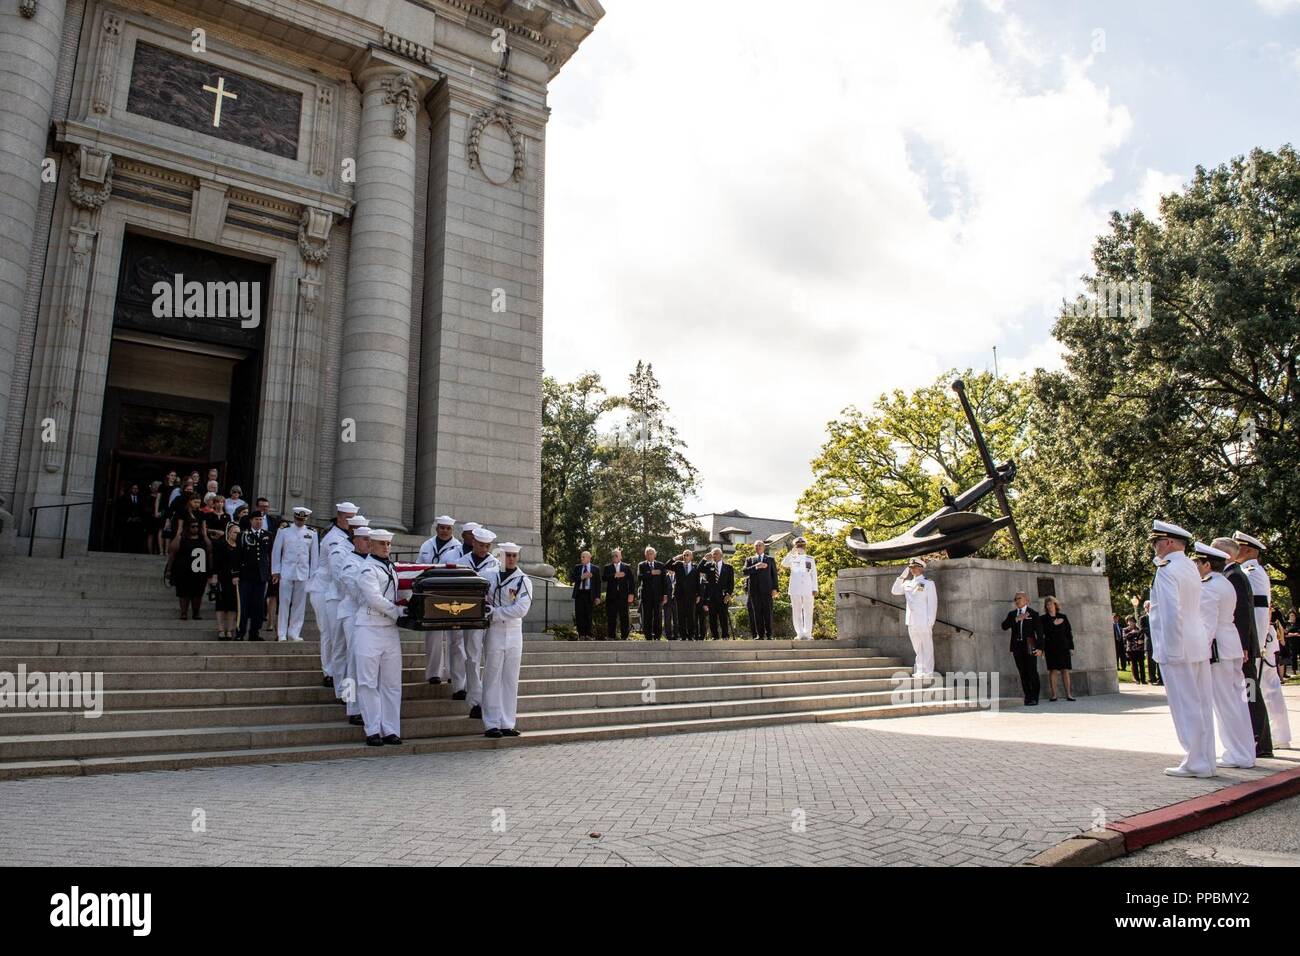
x=174, y=697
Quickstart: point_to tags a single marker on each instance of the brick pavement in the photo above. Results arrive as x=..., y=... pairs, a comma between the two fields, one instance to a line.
x=958, y=789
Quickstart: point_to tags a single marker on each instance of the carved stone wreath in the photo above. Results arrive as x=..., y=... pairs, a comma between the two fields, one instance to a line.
x=482, y=120
x=399, y=90
x=92, y=182
x=27, y=8
x=313, y=234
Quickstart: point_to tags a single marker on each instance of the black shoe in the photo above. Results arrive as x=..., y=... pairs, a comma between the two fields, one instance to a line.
x=256, y=637
x=476, y=713
x=1030, y=703
x=197, y=617
x=393, y=739
x=494, y=734
x=374, y=740
x=511, y=732
x=356, y=720
x=459, y=695
x=327, y=682
x=239, y=637
x=224, y=637
x=435, y=681
x=1070, y=698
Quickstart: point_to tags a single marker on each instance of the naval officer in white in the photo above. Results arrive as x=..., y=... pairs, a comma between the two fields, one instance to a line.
x=1180, y=645
x=1227, y=680
x=510, y=595
x=922, y=608
x=319, y=587
x=803, y=586
x=1249, y=553
x=379, y=645
x=293, y=562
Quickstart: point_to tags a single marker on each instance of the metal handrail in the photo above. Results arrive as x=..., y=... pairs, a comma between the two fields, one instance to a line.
x=63, y=540
x=900, y=607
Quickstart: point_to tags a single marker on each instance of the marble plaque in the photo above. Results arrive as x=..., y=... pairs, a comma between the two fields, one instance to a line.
x=204, y=98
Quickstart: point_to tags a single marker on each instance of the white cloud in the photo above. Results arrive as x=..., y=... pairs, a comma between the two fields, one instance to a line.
x=750, y=204
x=1278, y=8
x=1154, y=185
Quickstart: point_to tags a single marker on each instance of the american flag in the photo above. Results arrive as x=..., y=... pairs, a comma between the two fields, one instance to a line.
x=406, y=575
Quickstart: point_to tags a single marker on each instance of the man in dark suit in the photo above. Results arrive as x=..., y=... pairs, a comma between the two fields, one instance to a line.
x=586, y=593
x=1153, y=669
x=130, y=514
x=1243, y=617
x=760, y=579
x=652, y=582
x=688, y=597
x=1117, y=629
x=717, y=583
x=620, y=592
x=1022, y=622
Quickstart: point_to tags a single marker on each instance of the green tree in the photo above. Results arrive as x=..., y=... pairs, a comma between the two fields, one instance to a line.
x=570, y=462
x=1186, y=409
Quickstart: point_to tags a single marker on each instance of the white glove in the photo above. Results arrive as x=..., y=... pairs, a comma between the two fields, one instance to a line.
x=488, y=612
x=401, y=611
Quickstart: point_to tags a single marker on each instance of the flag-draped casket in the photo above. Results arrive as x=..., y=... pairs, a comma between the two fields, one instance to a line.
x=441, y=598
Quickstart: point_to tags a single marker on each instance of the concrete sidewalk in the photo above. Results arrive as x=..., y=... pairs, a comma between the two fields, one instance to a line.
x=960, y=789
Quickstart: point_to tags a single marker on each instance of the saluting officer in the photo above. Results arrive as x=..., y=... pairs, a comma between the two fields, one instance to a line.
x=254, y=576
x=1243, y=618
x=293, y=562
x=510, y=595
x=379, y=645
x=1227, y=682
x=803, y=586
x=1249, y=550
x=318, y=587
x=467, y=643
x=922, y=599
x=443, y=548
x=1182, y=648
x=348, y=573
x=760, y=577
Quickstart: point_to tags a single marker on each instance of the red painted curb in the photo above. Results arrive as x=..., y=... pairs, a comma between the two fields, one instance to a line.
x=1155, y=826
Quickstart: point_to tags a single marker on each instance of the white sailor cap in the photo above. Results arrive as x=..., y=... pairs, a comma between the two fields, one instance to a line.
x=357, y=521
x=508, y=548
x=300, y=510
x=379, y=534
x=469, y=527
x=484, y=535
x=1242, y=538
x=1204, y=550
x=916, y=563
x=361, y=531
x=445, y=519
x=801, y=540
x=1167, y=529
x=346, y=508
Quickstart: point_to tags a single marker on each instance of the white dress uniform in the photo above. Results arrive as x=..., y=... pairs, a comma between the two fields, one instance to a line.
x=1228, y=682
x=339, y=652
x=1180, y=645
x=293, y=557
x=467, y=644
x=922, y=608
x=803, y=585
x=349, y=570
x=510, y=594
x=437, y=649
x=1270, y=685
x=319, y=587
x=379, y=649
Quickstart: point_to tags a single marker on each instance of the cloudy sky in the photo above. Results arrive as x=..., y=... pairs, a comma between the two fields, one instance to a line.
x=790, y=208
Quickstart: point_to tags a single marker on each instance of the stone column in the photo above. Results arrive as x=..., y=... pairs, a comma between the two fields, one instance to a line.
x=30, y=34
x=377, y=323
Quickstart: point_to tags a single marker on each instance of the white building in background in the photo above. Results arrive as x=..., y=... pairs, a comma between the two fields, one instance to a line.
x=730, y=528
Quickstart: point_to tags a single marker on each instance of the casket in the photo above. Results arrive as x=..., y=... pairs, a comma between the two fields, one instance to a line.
x=444, y=599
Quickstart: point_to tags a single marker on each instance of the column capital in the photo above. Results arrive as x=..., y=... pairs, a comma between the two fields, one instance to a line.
x=376, y=65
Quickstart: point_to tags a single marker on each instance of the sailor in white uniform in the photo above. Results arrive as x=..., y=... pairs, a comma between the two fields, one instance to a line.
x=442, y=548
x=1181, y=646
x=339, y=653
x=1227, y=680
x=379, y=645
x=467, y=644
x=1270, y=685
x=293, y=562
x=803, y=586
x=319, y=587
x=510, y=595
x=347, y=572
x=922, y=608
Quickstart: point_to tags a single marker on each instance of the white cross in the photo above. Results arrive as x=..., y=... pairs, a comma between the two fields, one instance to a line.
x=222, y=92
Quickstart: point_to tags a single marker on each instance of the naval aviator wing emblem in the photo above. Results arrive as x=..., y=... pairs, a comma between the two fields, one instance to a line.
x=456, y=609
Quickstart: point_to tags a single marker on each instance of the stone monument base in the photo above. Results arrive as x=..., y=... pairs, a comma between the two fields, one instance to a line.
x=974, y=596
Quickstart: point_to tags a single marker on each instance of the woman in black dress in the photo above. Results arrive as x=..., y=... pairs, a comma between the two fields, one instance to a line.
x=1058, y=641
x=225, y=577
x=189, y=568
x=154, y=522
